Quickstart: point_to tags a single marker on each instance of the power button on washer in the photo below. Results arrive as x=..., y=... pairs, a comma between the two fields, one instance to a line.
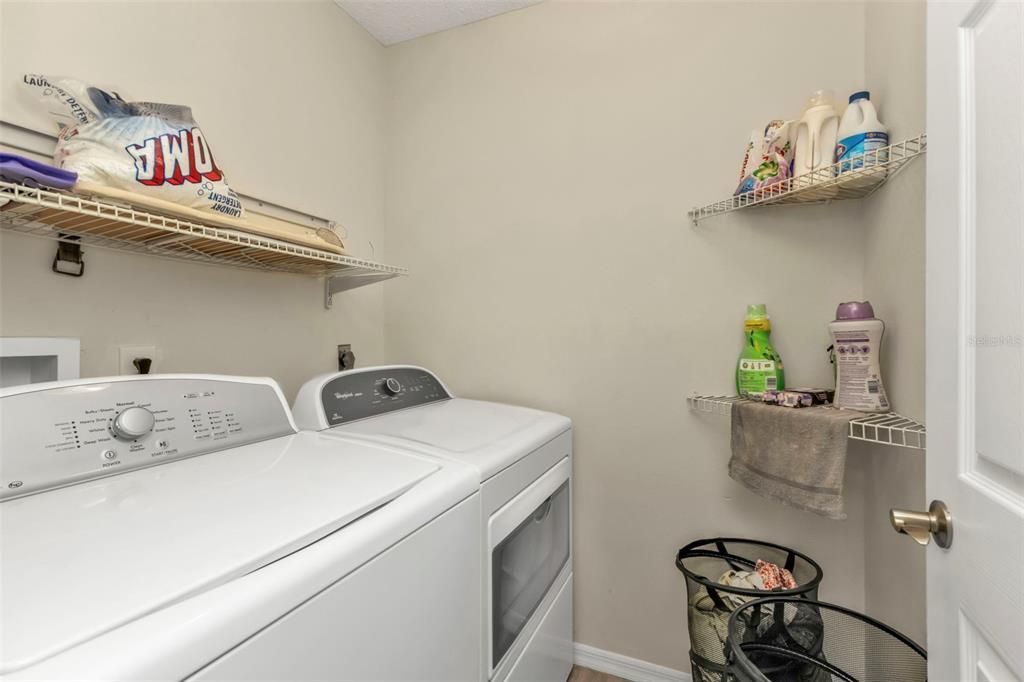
x=109, y=455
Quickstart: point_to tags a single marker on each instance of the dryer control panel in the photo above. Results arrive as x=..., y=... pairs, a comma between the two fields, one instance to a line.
x=366, y=393
x=50, y=437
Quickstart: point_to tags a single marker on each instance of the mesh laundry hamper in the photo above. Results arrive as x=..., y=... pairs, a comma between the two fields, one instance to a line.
x=709, y=603
x=782, y=639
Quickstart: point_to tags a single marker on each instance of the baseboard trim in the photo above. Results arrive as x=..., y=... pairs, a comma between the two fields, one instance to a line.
x=632, y=669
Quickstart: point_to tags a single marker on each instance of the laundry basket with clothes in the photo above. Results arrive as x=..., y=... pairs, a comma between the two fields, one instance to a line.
x=786, y=639
x=723, y=574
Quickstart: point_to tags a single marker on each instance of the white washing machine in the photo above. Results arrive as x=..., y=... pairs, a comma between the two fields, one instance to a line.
x=178, y=527
x=524, y=460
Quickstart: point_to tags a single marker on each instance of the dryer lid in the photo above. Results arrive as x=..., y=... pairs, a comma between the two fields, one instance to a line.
x=489, y=436
x=78, y=561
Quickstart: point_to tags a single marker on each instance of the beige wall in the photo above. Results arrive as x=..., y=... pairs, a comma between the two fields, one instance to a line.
x=291, y=95
x=894, y=280
x=540, y=166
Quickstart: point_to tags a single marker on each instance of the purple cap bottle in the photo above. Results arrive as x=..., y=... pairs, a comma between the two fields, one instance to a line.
x=855, y=310
x=857, y=340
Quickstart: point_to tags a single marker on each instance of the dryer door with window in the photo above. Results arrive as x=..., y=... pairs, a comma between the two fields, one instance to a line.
x=529, y=543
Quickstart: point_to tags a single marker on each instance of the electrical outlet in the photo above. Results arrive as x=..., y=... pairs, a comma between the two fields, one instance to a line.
x=346, y=358
x=126, y=354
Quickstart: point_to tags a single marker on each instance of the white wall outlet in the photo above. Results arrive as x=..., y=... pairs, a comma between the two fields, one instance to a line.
x=127, y=354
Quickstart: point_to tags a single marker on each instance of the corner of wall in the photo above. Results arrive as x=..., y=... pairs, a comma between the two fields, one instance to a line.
x=894, y=280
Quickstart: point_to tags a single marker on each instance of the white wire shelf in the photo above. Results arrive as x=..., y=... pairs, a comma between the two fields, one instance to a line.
x=886, y=429
x=835, y=183
x=54, y=215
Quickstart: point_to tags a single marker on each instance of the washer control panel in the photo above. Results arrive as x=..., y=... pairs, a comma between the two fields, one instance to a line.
x=55, y=436
x=356, y=395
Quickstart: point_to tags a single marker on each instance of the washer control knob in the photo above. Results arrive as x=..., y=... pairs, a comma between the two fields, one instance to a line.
x=392, y=387
x=133, y=423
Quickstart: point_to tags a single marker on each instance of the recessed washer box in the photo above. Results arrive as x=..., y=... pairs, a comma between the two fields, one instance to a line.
x=31, y=360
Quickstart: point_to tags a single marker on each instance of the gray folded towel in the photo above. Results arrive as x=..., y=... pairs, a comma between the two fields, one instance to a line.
x=796, y=456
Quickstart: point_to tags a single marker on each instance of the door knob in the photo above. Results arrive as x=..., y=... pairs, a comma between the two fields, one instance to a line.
x=936, y=523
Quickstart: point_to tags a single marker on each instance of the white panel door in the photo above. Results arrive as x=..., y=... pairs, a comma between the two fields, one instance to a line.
x=975, y=332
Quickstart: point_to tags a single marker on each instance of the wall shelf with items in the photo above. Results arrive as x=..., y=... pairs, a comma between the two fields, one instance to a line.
x=885, y=429
x=835, y=183
x=68, y=217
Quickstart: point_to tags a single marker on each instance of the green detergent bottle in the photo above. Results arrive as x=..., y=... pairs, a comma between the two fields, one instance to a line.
x=759, y=368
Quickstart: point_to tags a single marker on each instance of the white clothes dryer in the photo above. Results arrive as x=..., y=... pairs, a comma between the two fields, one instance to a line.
x=179, y=527
x=524, y=460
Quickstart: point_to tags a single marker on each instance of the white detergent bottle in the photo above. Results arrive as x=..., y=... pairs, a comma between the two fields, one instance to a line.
x=861, y=135
x=816, y=135
x=857, y=337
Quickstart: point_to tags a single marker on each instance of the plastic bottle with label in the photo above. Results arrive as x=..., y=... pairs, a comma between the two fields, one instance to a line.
x=816, y=135
x=759, y=368
x=857, y=337
x=861, y=135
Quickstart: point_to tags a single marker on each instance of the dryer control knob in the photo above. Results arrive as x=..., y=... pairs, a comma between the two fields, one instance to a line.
x=392, y=387
x=133, y=423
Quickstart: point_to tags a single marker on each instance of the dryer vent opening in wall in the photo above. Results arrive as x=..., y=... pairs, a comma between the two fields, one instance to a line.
x=346, y=358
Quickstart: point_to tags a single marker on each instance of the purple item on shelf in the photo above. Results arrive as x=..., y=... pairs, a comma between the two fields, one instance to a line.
x=14, y=168
x=855, y=310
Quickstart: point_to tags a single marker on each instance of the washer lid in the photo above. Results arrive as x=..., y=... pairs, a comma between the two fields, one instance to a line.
x=78, y=561
x=489, y=436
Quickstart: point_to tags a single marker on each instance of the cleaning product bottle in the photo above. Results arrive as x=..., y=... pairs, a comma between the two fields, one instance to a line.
x=759, y=368
x=816, y=135
x=857, y=336
x=860, y=133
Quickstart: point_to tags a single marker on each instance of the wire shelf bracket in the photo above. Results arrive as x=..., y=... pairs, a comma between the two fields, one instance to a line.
x=853, y=178
x=886, y=429
x=93, y=222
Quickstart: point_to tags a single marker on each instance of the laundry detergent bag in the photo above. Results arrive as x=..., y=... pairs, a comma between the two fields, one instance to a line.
x=156, y=150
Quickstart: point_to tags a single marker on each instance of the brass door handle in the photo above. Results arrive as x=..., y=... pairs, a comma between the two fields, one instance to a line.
x=936, y=523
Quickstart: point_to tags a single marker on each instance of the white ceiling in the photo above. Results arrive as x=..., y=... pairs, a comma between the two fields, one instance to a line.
x=392, y=21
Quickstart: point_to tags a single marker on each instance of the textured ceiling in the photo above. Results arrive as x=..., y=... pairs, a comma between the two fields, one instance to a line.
x=392, y=21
